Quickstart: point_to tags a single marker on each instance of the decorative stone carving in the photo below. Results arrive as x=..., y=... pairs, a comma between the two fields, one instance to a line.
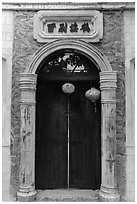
x=27, y=136
x=108, y=190
x=85, y=25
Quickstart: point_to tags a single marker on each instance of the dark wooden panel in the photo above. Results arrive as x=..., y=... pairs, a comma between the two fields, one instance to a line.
x=51, y=137
x=84, y=140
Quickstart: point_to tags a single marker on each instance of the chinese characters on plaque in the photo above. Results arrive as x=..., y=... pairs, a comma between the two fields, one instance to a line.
x=64, y=24
x=65, y=27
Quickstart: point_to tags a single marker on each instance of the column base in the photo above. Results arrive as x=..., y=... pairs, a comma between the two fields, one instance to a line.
x=108, y=195
x=26, y=194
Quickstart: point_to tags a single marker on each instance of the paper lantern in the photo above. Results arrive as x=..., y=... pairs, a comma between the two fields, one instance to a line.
x=92, y=94
x=68, y=88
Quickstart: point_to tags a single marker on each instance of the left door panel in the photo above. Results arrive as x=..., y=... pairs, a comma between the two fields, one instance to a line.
x=51, y=136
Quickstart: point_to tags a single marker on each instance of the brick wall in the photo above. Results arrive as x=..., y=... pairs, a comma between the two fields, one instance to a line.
x=129, y=30
x=112, y=45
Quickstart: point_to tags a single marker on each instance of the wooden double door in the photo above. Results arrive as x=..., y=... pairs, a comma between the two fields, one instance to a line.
x=68, y=153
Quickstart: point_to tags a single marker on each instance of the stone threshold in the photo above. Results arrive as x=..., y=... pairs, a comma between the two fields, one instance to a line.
x=67, y=195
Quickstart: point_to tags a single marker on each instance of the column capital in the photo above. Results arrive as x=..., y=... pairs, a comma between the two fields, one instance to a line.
x=108, y=84
x=27, y=85
x=108, y=80
x=27, y=81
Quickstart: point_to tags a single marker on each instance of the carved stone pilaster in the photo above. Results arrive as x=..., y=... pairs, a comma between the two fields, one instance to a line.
x=26, y=190
x=108, y=191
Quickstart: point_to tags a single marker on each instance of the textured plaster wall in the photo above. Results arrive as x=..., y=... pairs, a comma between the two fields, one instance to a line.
x=7, y=44
x=111, y=45
x=129, y=30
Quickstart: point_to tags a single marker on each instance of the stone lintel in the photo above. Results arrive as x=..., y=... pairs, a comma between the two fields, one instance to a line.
x=67, y=5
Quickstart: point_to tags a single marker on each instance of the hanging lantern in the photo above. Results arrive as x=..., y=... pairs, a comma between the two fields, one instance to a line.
x=68, y=88
x=92, y=94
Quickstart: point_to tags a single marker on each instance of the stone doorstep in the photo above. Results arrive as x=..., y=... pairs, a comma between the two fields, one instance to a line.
x=67, y=195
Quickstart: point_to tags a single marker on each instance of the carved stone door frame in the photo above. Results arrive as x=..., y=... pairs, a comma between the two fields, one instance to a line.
x=108, y=80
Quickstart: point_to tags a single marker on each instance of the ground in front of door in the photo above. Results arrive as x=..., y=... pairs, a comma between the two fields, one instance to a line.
x=67, y=195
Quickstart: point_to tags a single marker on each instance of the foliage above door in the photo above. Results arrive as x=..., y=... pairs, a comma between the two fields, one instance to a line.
x=68, y=65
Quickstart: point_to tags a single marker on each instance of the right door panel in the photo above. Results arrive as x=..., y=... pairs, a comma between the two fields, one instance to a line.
x=85, y=139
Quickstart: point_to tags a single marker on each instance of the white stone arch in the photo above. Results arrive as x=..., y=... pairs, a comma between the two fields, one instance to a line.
x=91, y=51
x=28, y=80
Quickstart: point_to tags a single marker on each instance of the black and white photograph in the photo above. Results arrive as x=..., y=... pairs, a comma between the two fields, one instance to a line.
x=68, y=101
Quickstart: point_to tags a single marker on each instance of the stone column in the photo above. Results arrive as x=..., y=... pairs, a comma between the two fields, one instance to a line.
x=108, y=191
x=26, y=190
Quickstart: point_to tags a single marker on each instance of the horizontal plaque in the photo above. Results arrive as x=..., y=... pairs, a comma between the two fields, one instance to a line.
x=61, y=24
